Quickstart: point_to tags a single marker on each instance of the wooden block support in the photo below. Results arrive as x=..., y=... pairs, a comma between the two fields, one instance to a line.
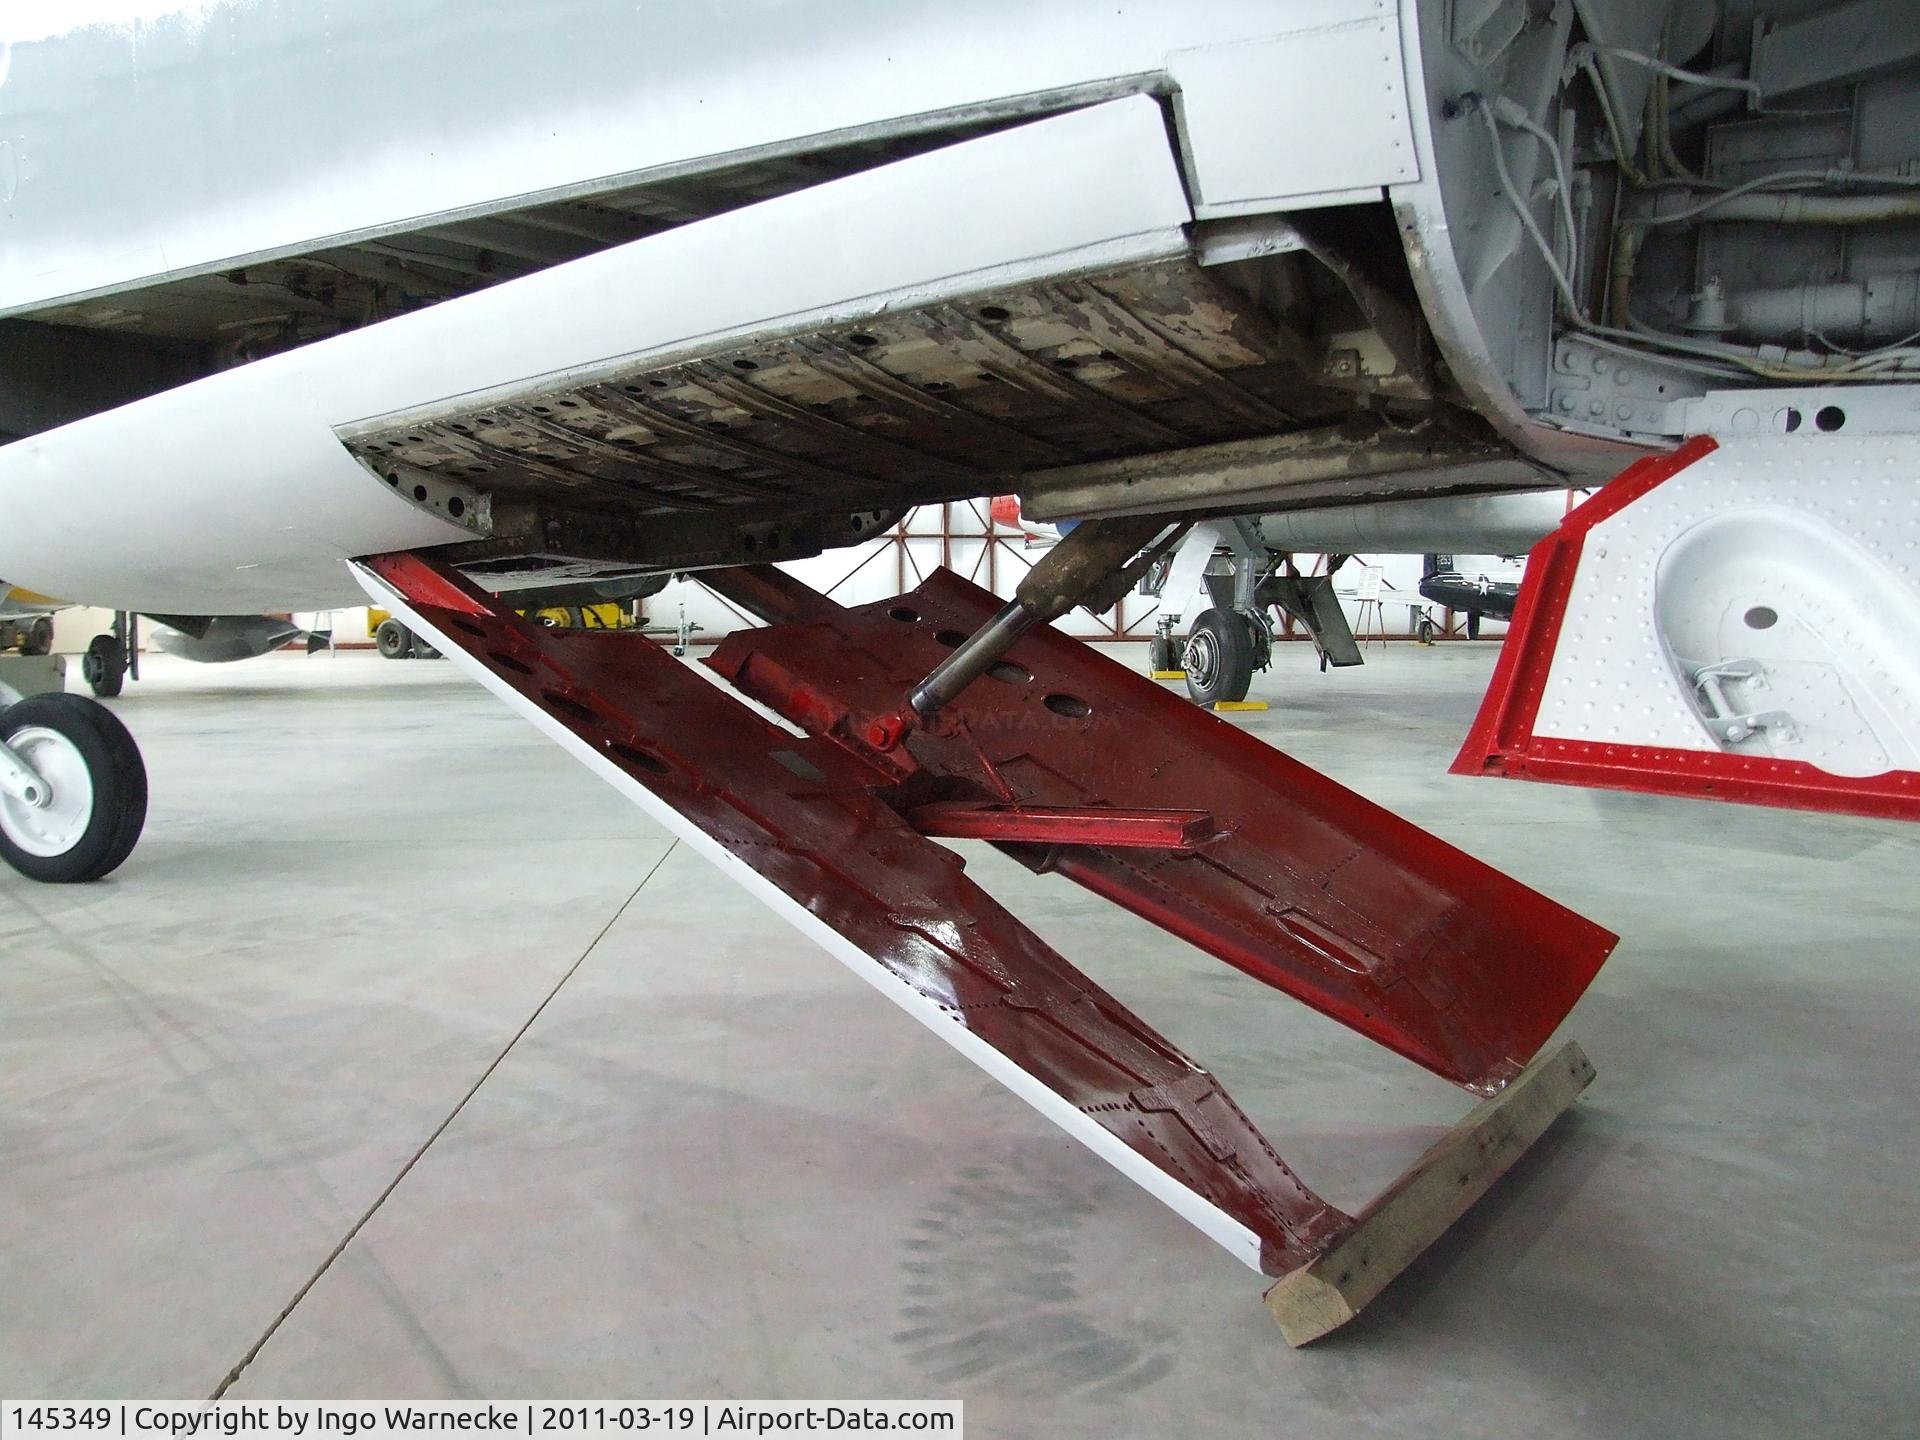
x=1436, y=1190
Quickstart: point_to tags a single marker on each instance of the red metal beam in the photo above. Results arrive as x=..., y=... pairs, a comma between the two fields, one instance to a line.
x=1310, y=888
x=1179, y=830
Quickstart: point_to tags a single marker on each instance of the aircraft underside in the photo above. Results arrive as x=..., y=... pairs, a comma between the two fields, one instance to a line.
x=1105, y=392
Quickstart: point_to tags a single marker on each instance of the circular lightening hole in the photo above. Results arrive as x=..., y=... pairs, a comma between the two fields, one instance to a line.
x=636, y=758
x=456, y=507
x=420, y=492
x=1762, y=617
x=1008, y=673
x=952, y=639
x=1071, y=706
x=745, y=365
x=569, y=707
x=1829, y=418
x=862, y=340
x=995, y=312
x=903, y=614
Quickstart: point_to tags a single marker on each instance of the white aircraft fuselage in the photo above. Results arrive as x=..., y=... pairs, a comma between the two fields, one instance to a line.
x=595, y=292
x=1039, y=145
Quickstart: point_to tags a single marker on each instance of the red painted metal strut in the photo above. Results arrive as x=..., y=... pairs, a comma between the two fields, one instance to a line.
x=1091, y=825
x=1076, y=765
x=1306, y=885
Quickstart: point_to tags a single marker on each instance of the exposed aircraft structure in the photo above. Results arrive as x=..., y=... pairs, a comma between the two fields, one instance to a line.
x=705, y=297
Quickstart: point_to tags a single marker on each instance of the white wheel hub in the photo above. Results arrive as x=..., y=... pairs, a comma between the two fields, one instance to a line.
x=53, y=826
x=1201, y=659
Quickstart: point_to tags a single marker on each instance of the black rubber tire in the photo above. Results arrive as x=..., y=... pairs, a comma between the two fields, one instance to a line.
x=423, y=649
x=104, y=666
x=1473, y=624
x=393, y=640
x=1163, y=653
x=119, y=779
x=37, y=638
x=1219, y=657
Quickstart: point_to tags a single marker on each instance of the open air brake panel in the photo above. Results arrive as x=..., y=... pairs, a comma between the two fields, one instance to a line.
x=1075, y=766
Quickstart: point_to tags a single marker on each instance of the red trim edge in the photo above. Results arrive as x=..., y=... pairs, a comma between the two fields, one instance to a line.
x=1502, y=740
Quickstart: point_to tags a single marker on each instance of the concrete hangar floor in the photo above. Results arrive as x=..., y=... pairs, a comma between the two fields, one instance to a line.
x=386, y=952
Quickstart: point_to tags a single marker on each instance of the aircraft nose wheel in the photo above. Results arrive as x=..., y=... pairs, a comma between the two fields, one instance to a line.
x=73, y=795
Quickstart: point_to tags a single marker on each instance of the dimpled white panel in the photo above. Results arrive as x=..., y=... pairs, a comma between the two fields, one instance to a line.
x=1798, y=552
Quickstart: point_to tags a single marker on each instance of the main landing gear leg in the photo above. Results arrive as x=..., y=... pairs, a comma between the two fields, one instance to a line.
x=113, y=659
x=1073, y=765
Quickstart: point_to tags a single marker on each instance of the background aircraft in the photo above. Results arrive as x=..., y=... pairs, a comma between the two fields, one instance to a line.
x=1480, y=593
x=26, y=621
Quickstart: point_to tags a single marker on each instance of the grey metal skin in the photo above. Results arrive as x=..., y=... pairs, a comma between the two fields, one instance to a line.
x=1236, y=565
x=1509, y=524
x=227, y=638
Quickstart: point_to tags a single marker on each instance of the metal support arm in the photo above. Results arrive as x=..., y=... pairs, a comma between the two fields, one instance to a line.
x=20, y=781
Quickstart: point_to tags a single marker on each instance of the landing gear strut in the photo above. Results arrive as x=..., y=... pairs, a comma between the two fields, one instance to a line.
x=1243, y=582
x=111, y=660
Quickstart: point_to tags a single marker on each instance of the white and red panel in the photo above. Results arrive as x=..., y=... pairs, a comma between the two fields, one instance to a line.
x=1736, y=620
